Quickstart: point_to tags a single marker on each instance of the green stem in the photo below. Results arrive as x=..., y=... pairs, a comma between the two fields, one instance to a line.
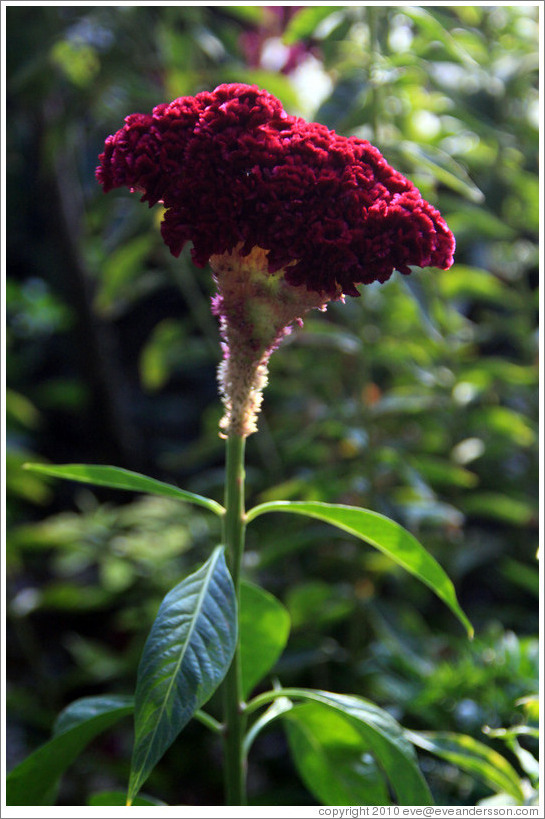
x=269, y=696
x=305, y=694
x=209, y=721
x=233, y=534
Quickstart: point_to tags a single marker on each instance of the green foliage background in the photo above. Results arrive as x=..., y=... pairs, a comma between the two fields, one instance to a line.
x=418, y=400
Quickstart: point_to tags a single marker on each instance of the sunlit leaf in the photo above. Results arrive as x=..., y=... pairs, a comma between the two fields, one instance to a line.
x=466, y=282
x=471, y=756
x=499, y=506
x=444, y=473
x=478, y=222
x=249, y=14
x=264, y=626
x=380, y=734
x=530, y=704
x=117, y=478
x=333, y=759
x=382, y=533
x=506, y=371
x=506, y=422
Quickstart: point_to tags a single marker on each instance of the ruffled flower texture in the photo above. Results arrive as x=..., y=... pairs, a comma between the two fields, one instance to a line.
x=231, y=167
x=242, y=180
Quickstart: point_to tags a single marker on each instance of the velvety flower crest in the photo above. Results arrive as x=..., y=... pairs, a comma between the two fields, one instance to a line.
x=289, y=214
x=233, y=170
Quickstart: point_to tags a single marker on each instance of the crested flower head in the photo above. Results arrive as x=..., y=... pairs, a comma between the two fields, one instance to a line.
x=233, y=169
x=289, y=214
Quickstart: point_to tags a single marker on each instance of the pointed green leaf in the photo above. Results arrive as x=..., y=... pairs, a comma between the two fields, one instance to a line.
x=472, y=756
x=382, y=533
x=264, y=626
x=185, y=658
x=117, y=478
x=444, y=168
x=87, y=708
x=34, y=781
x=380, y=733
x=322, y=741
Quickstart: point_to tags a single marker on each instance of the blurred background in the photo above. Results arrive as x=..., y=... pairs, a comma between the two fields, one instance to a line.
x=418, y=400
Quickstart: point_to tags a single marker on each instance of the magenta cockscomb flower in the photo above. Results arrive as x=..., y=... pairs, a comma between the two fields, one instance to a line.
x=289, y=214
x=232, y=168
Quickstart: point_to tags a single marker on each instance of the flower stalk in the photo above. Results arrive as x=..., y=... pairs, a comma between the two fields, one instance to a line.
x=290, y=216
x=256, y=310
x=233, y=534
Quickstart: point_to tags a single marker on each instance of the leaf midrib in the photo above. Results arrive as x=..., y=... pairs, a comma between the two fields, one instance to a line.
x=213, y=561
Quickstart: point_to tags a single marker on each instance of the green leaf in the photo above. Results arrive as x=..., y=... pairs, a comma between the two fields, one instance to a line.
x=471, y=756
x=444, y=473
x=158, y=357
x=322, y=741
x=428, y=24
x=30, y=488
x=527, y=577
x=477, y=284
x=476, y=221
x=381, y=734
x=264, y=626
x=273, y=712
x=248, y=14
x=422, y=299
x=120, y=798
x=185, y=658
x=498, y=506
x=34, y=781
x=500, y=369
x=117, y=478
x=87, y=708
x=507, y=423
x=20, y=410
x=382, y=533
x=120, y=267
x=511, y=733
x=306, y=21
x=444, y=168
